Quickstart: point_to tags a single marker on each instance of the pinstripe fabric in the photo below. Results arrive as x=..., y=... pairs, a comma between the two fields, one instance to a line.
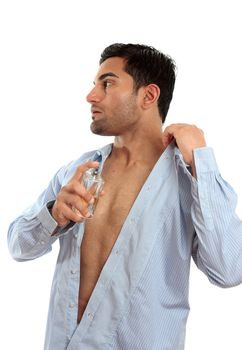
x=141, y=298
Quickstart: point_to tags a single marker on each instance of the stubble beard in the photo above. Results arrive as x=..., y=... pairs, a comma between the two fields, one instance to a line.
x=120, y=121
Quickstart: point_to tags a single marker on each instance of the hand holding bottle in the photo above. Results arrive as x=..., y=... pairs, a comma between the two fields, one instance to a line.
x=77, y=199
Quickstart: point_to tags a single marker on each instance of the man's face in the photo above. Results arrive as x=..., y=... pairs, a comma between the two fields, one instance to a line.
x=113, y=99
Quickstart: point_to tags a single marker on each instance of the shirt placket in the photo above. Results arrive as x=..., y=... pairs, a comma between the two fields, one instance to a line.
x=74, y=281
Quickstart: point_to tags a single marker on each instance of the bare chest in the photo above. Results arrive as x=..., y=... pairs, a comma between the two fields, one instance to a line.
x=121, y=190
x=101, y=232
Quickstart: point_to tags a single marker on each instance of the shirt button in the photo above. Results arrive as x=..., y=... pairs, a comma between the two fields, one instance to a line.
x=71, y=305
x=73, y=272
x=148, y=188
x=89, y=315
x=75, y=235
x=42, y=242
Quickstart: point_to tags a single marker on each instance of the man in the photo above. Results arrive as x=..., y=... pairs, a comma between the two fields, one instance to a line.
x=121, y=279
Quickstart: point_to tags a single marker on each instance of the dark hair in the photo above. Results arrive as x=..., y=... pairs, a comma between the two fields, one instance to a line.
x=146, y=65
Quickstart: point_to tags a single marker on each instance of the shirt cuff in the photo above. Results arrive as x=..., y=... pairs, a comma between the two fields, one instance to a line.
x=205, y=160
x=47, y=220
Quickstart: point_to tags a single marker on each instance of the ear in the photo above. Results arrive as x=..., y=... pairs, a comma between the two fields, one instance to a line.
x=151, y=95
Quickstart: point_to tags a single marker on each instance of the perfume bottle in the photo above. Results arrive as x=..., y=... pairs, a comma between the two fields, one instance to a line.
x=93, y=183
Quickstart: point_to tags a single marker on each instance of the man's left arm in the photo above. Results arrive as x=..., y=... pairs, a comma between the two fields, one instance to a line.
x=217, y=248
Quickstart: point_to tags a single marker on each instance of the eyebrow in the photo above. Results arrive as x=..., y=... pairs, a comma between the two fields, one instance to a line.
x=105, y=75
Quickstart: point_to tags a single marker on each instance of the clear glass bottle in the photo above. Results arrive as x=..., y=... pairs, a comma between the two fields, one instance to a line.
x=93, y=183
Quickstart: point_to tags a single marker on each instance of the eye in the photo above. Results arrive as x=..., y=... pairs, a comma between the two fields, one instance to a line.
x=107, y=84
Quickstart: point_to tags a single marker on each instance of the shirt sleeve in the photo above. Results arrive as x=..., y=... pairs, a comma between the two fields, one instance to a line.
x=217, y=247
x=31, y=234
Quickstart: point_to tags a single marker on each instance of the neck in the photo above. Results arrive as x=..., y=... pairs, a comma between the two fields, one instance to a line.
x=140, y=144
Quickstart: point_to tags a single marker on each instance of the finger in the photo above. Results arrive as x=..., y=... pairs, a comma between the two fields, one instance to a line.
x=63, y=212
x=57, y=212
x=60, y=215
x=174, y=127
x=74, y=200
x=84, y=215
x=167, y=137
x=102, y=193
x=76, y=188
x=82, y=168
x=170, y=132
x=74, y=215
x=80, y=206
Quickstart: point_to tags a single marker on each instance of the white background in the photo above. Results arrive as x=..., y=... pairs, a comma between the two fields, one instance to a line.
x=49, y=57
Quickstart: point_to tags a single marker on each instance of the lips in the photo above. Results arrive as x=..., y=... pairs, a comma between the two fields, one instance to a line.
x=95, y=112
x=95, y=109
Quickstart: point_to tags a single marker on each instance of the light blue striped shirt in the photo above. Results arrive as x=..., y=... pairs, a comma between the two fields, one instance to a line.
x=140, y=301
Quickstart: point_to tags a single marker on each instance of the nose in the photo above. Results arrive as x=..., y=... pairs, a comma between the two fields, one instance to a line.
x=94, y=95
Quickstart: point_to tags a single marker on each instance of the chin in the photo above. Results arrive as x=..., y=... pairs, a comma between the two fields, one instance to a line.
x=98, y=130
x=101, y=128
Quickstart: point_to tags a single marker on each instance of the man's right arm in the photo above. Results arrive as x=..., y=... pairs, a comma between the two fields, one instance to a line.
x=32, y=234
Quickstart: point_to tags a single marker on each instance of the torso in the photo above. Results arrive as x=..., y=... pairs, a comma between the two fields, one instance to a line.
x=122, y=185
